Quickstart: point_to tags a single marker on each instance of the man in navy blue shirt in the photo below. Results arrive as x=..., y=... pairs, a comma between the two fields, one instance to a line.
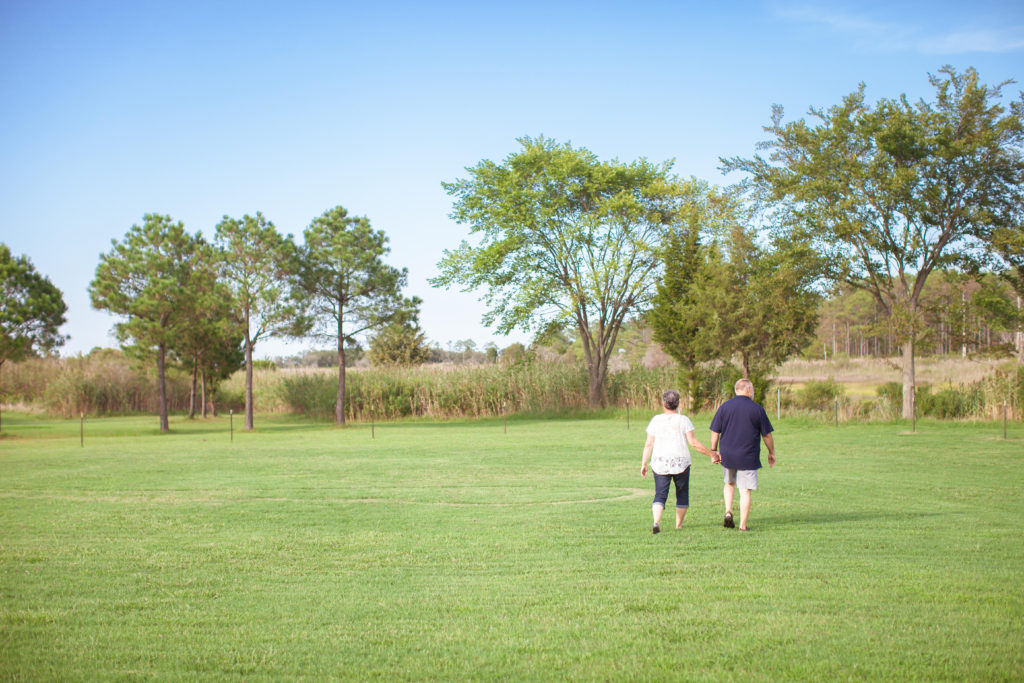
x=736, y=433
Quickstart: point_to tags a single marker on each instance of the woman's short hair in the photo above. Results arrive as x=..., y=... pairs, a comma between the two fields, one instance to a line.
x=671, y=399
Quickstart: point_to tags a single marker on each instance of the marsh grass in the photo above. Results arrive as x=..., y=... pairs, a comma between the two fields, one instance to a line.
x=458, y=551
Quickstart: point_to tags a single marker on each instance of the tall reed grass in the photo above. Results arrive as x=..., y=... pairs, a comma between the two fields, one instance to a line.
x=106, y=382
x=461, y=391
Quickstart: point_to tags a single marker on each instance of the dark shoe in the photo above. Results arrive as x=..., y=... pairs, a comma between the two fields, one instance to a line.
x=656, y=528
x=728, y=523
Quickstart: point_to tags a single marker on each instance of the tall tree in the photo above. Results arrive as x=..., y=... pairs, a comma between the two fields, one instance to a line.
x=348, y=289
x=894, y=192
x=31, y=309
x=733, y=299
x=258, y=265
x=771, y=307
x=564, y=240
x=147, y=278
x=209, y=343
x=684, y=310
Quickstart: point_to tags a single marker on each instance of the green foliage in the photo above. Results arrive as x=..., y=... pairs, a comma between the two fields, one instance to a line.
x=563, y=240
x=730, y=298
x=684, y=311
x=31, y=309
x=259, y=266
x=401, y=344
x=348, y=290
x=888, y=194
x=151, y=278
x=820, y=395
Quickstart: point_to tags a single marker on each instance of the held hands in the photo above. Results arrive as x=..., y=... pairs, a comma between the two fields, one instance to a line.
x=716, y=457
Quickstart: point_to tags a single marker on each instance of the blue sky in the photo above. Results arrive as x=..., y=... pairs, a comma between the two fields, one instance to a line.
x=111, y=110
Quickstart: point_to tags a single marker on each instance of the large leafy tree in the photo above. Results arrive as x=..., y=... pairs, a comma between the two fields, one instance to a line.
x=31, y=309
x=562, y=240
x=347, y=288
x=258, y=265
x=895, y=191
x=147, y=278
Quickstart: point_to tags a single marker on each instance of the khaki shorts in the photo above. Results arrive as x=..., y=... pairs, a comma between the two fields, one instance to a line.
x=745, y=479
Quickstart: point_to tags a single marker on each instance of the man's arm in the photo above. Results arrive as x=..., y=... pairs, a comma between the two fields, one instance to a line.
x=770, y=443
x=715, y=436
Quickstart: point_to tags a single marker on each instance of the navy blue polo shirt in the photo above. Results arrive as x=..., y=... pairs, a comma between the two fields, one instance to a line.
x=741, y=422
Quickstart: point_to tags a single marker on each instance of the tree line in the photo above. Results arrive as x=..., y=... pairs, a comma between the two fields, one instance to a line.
x=872, y=197
x=877, y=199
x=185, y=297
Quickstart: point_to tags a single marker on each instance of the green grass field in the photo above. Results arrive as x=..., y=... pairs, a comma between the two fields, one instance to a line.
x=457, y=551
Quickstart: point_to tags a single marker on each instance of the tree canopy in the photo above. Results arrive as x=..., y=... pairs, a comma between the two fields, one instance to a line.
x=563, y=239
x=258, y=265
x=31, y=309
x=724, y=296
x=347, y=288
x=892, y=192
x=147, y=279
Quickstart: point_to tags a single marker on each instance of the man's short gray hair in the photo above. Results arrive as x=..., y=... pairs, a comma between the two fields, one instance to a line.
x=743, y=386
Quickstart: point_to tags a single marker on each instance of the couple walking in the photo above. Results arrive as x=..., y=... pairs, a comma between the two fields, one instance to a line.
x=736, y=433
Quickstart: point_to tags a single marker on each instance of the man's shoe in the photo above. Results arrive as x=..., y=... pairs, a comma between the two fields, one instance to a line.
x=656, y=528
x=728, y=523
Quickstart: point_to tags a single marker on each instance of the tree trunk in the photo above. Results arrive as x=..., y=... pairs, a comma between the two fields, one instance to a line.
x=691, y=386
x=202, y=389
x=248, y=381
x=908, y=378
x=339, y=403
x=1019, y=335
x=161, y=374
x=192, y=391
x=596, y=372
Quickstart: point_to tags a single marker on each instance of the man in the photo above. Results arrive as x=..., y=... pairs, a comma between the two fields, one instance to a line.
x=736, y=433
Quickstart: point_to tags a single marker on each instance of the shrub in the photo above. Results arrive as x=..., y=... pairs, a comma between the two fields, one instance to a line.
x=820, y=395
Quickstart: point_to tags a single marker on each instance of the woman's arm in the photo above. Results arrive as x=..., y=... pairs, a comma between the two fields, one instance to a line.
x=695, y=442
x=648, y=447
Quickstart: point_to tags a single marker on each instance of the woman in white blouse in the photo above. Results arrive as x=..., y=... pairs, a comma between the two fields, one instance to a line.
x=667, y=437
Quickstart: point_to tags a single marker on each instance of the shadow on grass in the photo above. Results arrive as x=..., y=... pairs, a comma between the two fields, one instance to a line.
x=818, y=518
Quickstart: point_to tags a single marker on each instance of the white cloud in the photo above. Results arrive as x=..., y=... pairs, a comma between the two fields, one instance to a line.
x=974, y=41
x=871, y=34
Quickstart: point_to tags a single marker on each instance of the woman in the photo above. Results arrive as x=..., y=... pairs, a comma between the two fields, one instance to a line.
x=667, y=436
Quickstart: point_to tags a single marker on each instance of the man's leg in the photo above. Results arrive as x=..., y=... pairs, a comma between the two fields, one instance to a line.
x=728, y=493
x=744, y=507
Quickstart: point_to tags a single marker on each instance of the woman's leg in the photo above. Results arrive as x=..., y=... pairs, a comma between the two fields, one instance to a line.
x=661, y=484
x=682, y=496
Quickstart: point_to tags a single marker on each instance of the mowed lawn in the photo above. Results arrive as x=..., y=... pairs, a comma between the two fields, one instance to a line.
x=458, y=551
